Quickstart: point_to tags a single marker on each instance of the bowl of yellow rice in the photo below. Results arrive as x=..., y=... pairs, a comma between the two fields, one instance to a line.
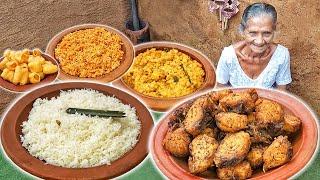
x=163, y=73
x=91, y=52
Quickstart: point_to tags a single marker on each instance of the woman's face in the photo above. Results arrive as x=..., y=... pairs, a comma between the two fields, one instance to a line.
x=259, y=33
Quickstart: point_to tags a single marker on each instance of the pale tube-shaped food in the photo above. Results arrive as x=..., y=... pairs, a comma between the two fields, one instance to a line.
x=34, y=78
x=49, y=68
x=25, y=76
x=11, y=65
x=36, y=52
x=17, y=75
x=41, y=74
x=24, y=65
x=7, y=75
x=3, y=63
x=7, y=53
x=4, y=73
x=24, y=56
x=35, y=66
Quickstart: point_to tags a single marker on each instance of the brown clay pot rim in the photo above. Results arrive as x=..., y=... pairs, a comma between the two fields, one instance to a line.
x=13, y=149
x=170, y=169
x=122, y=68
x=8, y=86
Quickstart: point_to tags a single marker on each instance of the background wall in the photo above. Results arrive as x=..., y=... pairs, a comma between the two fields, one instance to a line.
x=30, y=23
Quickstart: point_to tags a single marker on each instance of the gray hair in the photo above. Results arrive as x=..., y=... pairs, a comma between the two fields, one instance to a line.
x=256, y=10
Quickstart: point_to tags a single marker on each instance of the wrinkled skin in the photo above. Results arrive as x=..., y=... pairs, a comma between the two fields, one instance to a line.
x=202, y=150
x=199, y=115
x=232, y=149
x=240, y=171
x=239, y=102
x=177, y=142
x=278, y=153
x=231, y=122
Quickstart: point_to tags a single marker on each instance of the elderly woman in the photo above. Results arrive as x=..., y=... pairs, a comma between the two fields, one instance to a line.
x=256, y=61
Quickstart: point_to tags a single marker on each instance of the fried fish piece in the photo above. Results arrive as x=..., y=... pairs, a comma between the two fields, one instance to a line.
x=232, y=149
x=239, y=102
x=217, y=95
x=240, y=171
x=268, y=112
x=251, y=118
x=178, y=116
x=199, y=115
x=231, y=122
x=259, y=135
x=278, y=153
x=177, y=142
x=291, y=124
x=255, y=156
x=202, y=150
x=212, y=132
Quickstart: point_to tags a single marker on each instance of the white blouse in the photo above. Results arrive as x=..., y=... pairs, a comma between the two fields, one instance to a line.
x=277, y=71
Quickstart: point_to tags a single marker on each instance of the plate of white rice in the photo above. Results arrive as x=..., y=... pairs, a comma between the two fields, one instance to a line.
x=43, y=139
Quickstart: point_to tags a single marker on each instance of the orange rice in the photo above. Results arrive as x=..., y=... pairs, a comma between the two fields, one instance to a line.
x=90, y=53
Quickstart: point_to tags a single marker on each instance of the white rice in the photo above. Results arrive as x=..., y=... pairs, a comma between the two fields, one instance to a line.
x=79, y=141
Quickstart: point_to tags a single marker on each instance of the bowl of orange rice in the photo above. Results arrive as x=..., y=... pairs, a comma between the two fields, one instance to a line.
x=91, y=52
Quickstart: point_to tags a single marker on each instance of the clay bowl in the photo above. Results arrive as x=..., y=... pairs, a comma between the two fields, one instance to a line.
x=22, y=88
x=19, y=111
x=163, y=104
x=304, y=144
x=127, y=47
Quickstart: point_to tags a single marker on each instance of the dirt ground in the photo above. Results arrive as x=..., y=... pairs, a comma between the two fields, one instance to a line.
x=30, y=23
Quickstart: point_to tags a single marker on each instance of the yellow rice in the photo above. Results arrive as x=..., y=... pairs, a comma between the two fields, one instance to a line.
x=160, y=73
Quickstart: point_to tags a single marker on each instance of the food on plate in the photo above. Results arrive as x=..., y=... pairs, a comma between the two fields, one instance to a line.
x=177, y=142
x=231, y=122
x=239, y=102
x=278, y=153
x=199, y=115
x=51, y=134
x=255, y=156
x=268, y=112
x=240, y=171
x=291, y=123
x=23, y=67
x=235, y=132
x=233, y=149
x=165, y=73
x=202, y=150
x=90, y=53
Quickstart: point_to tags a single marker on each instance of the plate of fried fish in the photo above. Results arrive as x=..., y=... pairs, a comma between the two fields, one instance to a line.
x=237, y=133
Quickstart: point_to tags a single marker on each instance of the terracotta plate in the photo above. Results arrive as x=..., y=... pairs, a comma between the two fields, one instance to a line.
x=127, y=47
x=163, y=104
x=22, y=88
x=304, y=144
x=11, y=131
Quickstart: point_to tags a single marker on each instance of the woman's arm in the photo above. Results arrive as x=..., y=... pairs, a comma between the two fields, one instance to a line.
x=219, y=85
x=282, y=87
